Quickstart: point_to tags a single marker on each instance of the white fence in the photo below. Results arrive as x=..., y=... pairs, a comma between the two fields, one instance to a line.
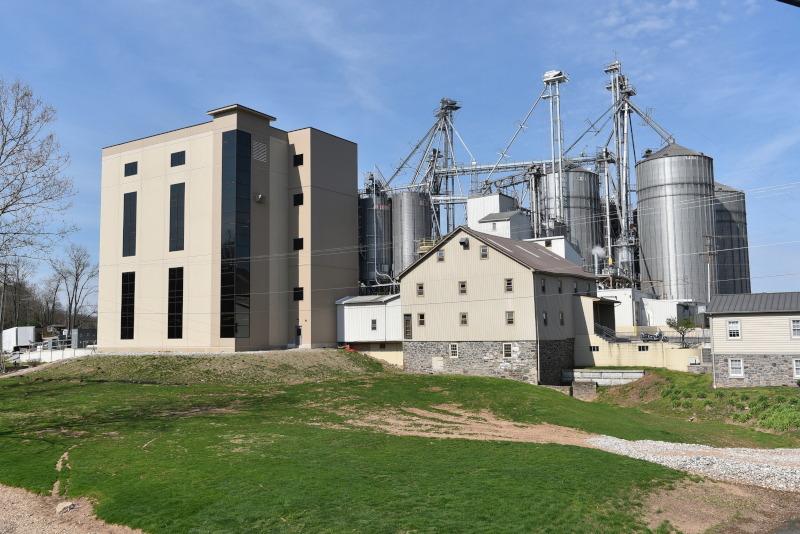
x=47, y=356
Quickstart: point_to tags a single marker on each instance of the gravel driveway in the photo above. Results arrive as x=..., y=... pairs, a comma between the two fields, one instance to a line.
x=768, y=468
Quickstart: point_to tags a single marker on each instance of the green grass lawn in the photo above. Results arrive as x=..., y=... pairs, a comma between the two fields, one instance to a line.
x=276, y=457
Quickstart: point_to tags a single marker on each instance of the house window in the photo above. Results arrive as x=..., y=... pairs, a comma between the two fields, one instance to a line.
x=440, y=255
x=420, y=290
x=177, y=195
x=594, y=348
x=735, y=367
x=796, y=364
x=484, y=253
x=463, y=318
x=587, y=288
x=462, y=288
x=298, y=293
x=175, y=304
x=795, y=328
x=383, y=346
x=575, y=287
x=559, y=286
x=510, y=318
x=298, y=199
x=509, y=285
x=561, y=318
x=454, y=350
x=407, y=326
x=126, y=316
x=374, y=324
x=643, y=348
x=544, y=318
x=298, y=243
x=544, y=285
x=297, y=160
x=421, y=319
x=132, y=168
x=734, y=331
x=177, y=159
x=494, y=226
x=506, y=350
x=129, y=225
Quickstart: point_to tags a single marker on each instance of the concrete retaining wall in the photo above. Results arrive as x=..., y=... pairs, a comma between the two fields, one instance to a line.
x=602, y=377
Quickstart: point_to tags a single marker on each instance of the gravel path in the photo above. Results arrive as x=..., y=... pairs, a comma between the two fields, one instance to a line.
x=777, y=469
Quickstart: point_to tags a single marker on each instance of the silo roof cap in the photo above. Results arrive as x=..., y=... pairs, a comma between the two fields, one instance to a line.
x=673, y=149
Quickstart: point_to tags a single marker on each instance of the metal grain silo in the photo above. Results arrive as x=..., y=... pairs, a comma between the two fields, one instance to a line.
x=675, y=195
x=733, y=257
x=375, y=238
x=411, y=222
x=582, y=207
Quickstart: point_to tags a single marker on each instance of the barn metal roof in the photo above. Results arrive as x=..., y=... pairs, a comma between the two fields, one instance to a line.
x=367, y=299
x=754, y=303
x=502, y=216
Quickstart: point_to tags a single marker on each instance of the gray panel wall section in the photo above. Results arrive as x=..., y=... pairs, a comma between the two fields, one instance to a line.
x=411, y=221
x=733, y=258
x=375, y=238
x=675, y=213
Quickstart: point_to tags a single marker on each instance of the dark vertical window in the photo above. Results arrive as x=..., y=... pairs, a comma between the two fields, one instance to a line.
x=235, y=272
x=298, y=293
x=298, y=199
x=132, y=168
x=175, y=304
x=298, y=160
x=129, y=225
x=177, y=195
x=128, y=291
x=298, y=243
x=177, y=158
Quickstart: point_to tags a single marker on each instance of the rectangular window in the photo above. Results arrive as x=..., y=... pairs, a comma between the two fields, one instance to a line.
x=643, y=348
x=420, y=319
x=129, y=225
x=374, y=324
x=484, y=253
x=561, y=318
x=440, y=255
x=298, y=243
x=575, y=287
x=507, y=350
x=509, y=285
x=177, y=198
x=735, y=367
x=544, y=318
x=494, y=226
x=127, y=311
x=462, y=288
x=298, y=199
x=407, y=326
x=383, y=346
x=594, y=348
x=734, y=332
x=796, y=365
x=559, y=286
x=420, y=290
x=298, y=294
x=795, y=328
x=175, y=304
x=510, y=318
x=177, y=159
x=463, y=319
x=235, y=253
x=587, y=288
x=544, y=285
x=297, y=160
x=132, y=168
x=454, y=350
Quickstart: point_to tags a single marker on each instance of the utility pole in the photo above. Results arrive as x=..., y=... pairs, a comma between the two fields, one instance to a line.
x=709, y=253
x=3, y=317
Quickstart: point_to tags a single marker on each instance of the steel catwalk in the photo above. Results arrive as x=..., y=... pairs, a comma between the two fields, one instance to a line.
x=733, y=258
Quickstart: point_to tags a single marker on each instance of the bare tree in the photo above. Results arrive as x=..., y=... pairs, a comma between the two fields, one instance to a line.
x=77, y=276
x=48, y=308
x=33, y=190
x=20, y=272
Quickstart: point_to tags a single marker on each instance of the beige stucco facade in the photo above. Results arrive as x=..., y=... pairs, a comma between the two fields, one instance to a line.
x=327, y=219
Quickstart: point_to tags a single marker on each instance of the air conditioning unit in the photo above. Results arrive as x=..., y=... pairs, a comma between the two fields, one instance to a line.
x=694, y=360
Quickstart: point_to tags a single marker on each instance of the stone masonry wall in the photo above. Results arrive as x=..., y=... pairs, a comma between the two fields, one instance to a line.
x=475, y=358
x=556, y=355
x=759, y=370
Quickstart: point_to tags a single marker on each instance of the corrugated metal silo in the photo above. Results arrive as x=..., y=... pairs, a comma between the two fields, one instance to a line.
x=375, y=238
x=733, y=257
x=675, y=193
x=411, y=221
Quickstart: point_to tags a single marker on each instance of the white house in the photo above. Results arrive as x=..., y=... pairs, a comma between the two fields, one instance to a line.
x=373, y=325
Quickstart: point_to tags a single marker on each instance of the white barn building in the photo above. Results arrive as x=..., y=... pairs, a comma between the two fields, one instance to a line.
x=373, y=325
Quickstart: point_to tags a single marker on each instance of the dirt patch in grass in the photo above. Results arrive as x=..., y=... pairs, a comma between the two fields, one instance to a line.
x=695, y=507
x=641, y=391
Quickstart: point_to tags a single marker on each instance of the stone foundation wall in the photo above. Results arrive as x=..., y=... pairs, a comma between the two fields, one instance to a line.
x=759, y=370
x=699, y=369
x=556, y=355
x=475, y=358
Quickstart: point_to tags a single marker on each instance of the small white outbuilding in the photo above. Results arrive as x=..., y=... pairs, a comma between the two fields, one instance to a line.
x=372, y=324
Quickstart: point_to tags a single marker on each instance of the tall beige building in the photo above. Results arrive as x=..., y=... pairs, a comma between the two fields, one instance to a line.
x=230, y=235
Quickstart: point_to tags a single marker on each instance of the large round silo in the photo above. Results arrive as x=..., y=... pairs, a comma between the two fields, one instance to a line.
x=733, y=258
x=411, y=222
x=675, y=195
x=582, y=209
x=375, y=238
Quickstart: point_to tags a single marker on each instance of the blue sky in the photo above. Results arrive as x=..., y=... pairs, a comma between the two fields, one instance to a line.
x=723, y=77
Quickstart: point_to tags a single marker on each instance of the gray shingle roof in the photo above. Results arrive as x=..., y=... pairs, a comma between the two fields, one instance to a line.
x=754, y=302
x=502, y=216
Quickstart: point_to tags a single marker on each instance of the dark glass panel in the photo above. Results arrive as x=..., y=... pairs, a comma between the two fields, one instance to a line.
x=229, y=176
x=242, y=162
x=229, y=217
x=228, y=162
x=243, y=137
x=226, y=305
x=243, y=218
x=226, y=331
x=229, y=190
x=242, y=331
x=242, y=240
x=242, y=319
x=242, y=252
x=229, y=136
x=298, y=199
x=227, y=279
x=243, y=229
x=228, y=149
x=228, y=204
x=227, y=291
x=242, y=205
x=227, y=319
x=243, y=177
x=242, y=304
x=242, y=285
x=228, y=252
x=243, y=191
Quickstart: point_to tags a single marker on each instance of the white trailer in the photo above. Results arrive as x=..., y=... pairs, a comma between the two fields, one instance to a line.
x=21, y=336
